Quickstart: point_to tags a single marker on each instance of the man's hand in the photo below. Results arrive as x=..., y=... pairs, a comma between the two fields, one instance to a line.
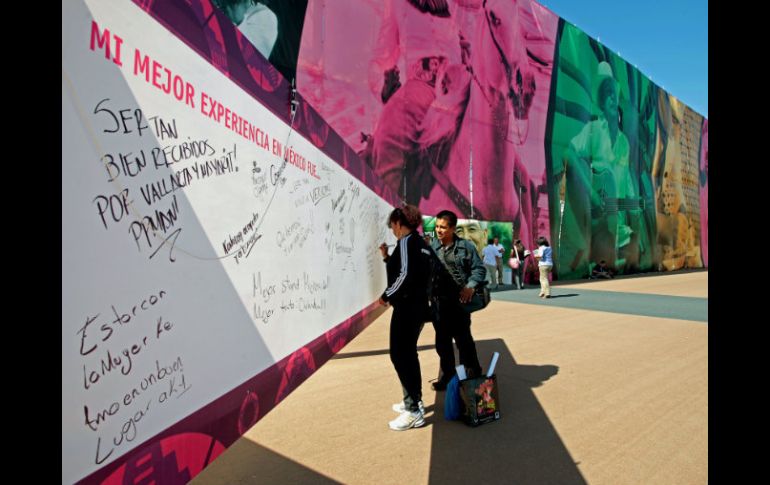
x=383, y=302
x=391, y=84
x=384, y=250
x=465, y=51
x=466, y=294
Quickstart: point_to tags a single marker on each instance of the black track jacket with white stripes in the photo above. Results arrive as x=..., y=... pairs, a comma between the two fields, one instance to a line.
x=409, y=271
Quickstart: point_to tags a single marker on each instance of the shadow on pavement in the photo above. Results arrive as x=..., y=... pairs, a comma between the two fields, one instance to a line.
x=521, y=448
x=248, y=462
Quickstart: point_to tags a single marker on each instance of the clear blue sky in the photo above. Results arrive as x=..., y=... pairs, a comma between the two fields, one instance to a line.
x=666, y=40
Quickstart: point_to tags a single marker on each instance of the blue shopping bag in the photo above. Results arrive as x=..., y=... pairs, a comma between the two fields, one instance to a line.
x=453, y=404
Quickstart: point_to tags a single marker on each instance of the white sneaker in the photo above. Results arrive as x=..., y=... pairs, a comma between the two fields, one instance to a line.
x=407, y=420
x=400, y=407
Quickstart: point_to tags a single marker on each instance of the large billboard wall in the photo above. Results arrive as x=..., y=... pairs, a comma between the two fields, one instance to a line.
x=491, y=108
x=218, y=246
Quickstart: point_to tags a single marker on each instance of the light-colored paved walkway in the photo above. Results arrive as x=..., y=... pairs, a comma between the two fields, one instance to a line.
x=587, y=396
x=693, y=284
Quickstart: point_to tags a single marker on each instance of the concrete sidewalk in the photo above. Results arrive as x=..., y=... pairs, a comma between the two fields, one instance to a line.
x=589, y=393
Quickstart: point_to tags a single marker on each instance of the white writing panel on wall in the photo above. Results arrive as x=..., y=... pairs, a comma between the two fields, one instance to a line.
x=202, y=239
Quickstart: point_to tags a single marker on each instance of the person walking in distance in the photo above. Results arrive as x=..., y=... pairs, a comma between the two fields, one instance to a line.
x=519, y=252
x=490, y=254
x=499, y=259
x=544, y=256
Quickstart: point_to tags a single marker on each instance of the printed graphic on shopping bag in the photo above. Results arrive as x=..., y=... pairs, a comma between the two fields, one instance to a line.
x=480, y=399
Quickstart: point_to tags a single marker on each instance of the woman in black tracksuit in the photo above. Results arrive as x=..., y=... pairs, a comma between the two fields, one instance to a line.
x=408, y=282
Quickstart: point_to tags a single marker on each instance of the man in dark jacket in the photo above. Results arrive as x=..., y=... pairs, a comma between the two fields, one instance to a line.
x=459, y=273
